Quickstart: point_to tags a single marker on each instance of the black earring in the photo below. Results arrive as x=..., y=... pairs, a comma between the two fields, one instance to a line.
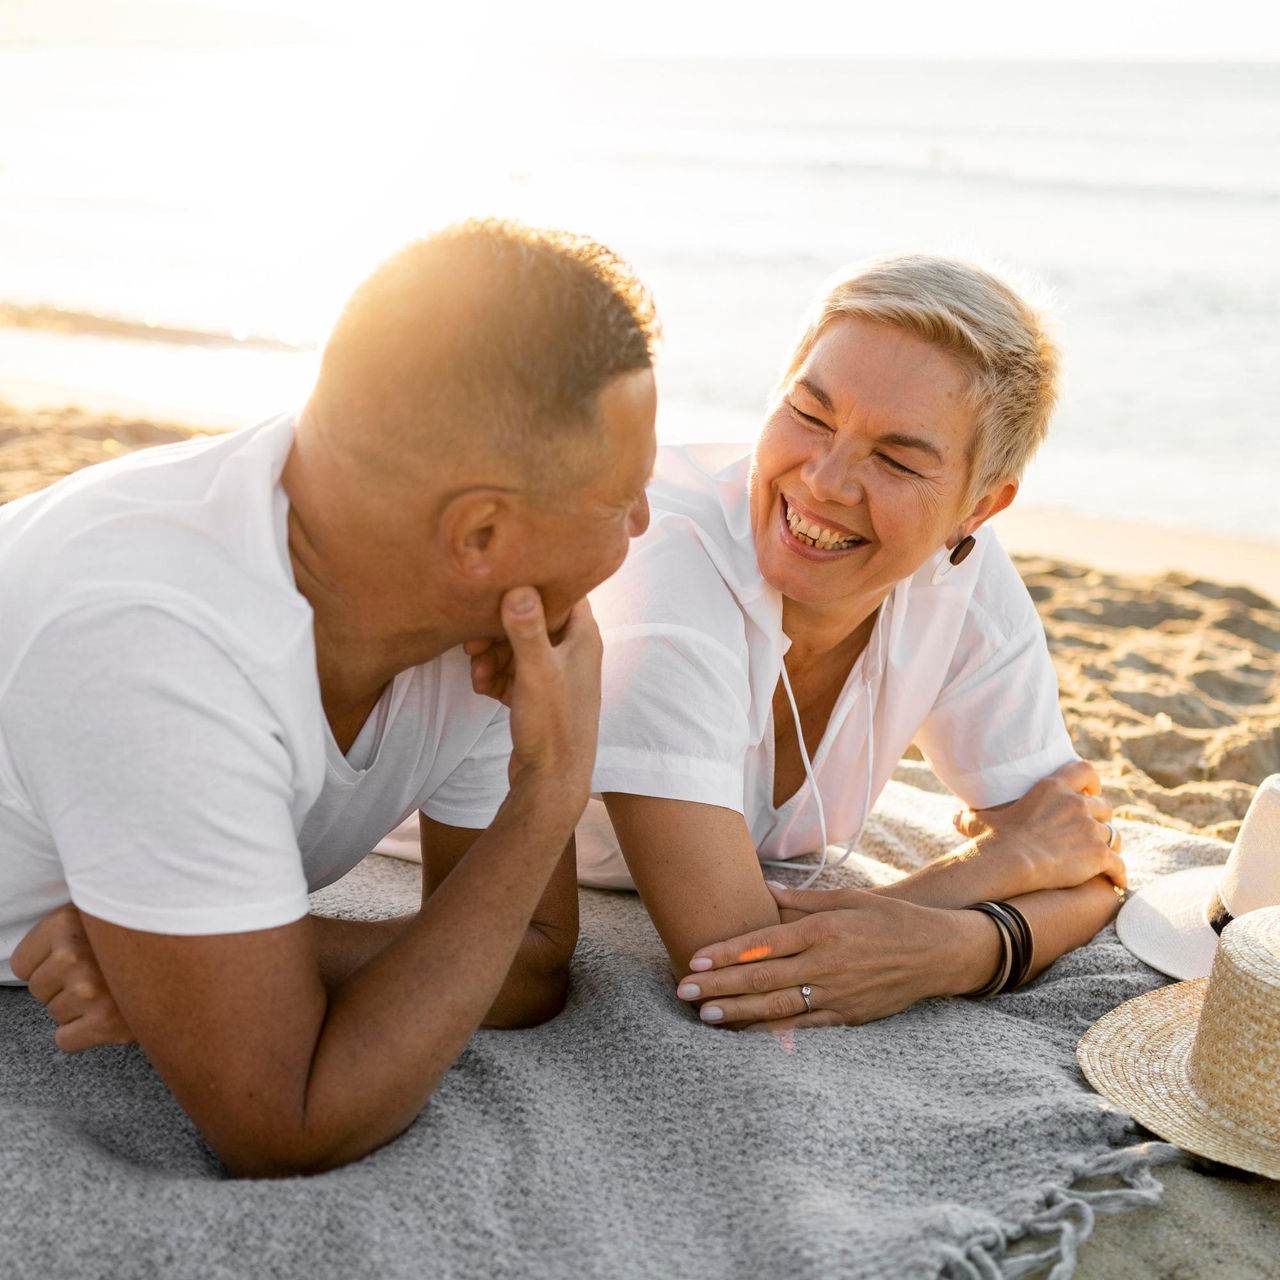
x=962, y=549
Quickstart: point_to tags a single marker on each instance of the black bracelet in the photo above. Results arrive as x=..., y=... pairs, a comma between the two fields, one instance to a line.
x=1004, y=969
x=1019, y=948
x=1023, y=944
x=1023, y=965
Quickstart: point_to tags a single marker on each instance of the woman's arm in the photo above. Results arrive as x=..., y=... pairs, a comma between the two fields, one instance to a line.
x=696, y=869
x=865, y=957
x=698, y=874
x=1054, y=837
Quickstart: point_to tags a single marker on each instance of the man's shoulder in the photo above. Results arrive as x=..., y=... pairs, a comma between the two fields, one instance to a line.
x=193, y=530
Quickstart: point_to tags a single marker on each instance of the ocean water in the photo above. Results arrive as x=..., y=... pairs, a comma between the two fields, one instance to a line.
x=241, y=193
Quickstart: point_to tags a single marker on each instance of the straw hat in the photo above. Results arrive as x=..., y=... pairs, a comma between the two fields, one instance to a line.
x=1199, y=1062
x=1173, y=924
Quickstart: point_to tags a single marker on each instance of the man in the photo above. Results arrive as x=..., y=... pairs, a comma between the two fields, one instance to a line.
x=228, y=668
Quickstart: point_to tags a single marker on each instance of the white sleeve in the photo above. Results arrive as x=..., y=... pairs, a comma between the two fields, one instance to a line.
x=675, y=722
x=473, y=793
x=676, y=716
x=996, y=727
x=161, y=774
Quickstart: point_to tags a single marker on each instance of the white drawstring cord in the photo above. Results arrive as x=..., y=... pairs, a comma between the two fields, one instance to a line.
x=813, y=782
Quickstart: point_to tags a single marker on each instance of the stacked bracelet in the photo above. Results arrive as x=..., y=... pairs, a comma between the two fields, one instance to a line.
x=1017, y=948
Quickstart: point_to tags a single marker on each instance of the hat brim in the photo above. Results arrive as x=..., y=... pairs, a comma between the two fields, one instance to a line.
x=1137, y=1056
x=1165, y=926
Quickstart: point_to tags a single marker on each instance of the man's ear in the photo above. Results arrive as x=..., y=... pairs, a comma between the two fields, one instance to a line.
x=990, y=504
x=475, y=528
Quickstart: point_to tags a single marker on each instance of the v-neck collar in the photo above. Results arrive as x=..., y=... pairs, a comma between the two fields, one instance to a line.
x=867, y=669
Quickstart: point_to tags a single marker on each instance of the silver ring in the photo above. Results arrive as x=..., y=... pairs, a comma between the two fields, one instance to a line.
x=805, y=993
x=1112, y=835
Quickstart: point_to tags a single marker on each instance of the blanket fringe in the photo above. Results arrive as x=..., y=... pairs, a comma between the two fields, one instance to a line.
x=1068, y=1214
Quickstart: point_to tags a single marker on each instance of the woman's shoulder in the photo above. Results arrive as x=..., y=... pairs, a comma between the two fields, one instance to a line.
x=1000, y=602
x=984, y=594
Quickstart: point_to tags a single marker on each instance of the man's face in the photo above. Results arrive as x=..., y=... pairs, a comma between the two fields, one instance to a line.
x=573, y=546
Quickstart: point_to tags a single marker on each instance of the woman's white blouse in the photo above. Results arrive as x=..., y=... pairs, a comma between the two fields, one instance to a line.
x=693, y=646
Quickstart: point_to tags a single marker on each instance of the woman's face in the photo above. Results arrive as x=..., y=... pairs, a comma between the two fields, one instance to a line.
x=860, y=473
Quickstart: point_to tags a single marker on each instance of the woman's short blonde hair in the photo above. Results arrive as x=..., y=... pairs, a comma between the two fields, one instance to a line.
x=975, y=317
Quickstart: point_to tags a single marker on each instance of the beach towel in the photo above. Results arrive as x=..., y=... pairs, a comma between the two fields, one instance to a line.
x=625, y=1139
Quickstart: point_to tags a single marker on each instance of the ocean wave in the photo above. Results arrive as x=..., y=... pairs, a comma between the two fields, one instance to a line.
x=949, y=167
x=17, y=315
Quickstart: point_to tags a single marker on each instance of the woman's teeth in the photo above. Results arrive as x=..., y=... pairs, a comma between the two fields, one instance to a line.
x=814, y=535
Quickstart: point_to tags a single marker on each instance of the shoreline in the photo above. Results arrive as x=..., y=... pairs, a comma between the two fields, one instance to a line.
x=1131, y=546
x=1103, y=542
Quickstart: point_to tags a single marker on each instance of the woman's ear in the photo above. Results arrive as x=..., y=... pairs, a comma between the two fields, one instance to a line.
x=473, y=529
x=988, y=505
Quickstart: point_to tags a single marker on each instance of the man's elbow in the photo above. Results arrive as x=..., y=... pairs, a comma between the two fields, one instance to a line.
x=541, y=995
x=265, y=1158
x=538, y=985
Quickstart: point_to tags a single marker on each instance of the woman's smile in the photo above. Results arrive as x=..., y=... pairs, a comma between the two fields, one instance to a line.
x=812, y=537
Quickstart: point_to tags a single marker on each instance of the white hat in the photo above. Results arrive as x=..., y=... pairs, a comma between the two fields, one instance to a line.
x=1173, y=924
x=1199, y=1062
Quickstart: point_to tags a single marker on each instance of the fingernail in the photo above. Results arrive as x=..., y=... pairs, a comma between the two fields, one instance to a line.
x=700, y=964
x=689, y=991
x=521, y=602
x=711, y=1013
x=776, y=884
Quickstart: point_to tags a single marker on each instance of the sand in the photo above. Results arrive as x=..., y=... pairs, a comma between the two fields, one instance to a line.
x=1170, y=681
x=39, y=446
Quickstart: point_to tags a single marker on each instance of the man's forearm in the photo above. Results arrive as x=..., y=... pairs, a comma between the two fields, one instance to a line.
x=424, y=994
x=533, y=992
x=343, y=946
x=279, y=1099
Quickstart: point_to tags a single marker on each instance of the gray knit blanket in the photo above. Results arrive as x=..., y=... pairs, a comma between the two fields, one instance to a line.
x=625, y=1139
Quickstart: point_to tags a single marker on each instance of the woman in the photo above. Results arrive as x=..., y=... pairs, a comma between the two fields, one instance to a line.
x=790, y=625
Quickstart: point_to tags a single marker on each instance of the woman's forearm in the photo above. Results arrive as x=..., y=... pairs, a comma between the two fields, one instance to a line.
x=1060, y=919
x=957, y=879
x=1063, y=919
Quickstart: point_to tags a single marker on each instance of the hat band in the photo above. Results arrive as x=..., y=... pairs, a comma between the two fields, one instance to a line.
x=1216, y=912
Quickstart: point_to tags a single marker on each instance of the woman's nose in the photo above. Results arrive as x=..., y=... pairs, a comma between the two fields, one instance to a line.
x=835, y=475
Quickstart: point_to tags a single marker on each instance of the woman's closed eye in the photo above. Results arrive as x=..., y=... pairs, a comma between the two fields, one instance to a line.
x=808, y=418
x=900, y=467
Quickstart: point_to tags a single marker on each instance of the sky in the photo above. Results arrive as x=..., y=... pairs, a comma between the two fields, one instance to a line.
x=1141, y=29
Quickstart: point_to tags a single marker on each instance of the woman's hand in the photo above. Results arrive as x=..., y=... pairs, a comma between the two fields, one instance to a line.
x=1056, y=837
x=863, y=957
x=57, y=963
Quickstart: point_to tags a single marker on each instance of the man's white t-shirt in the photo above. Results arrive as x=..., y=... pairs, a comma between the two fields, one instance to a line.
x=165, y=762
x=693, y=641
